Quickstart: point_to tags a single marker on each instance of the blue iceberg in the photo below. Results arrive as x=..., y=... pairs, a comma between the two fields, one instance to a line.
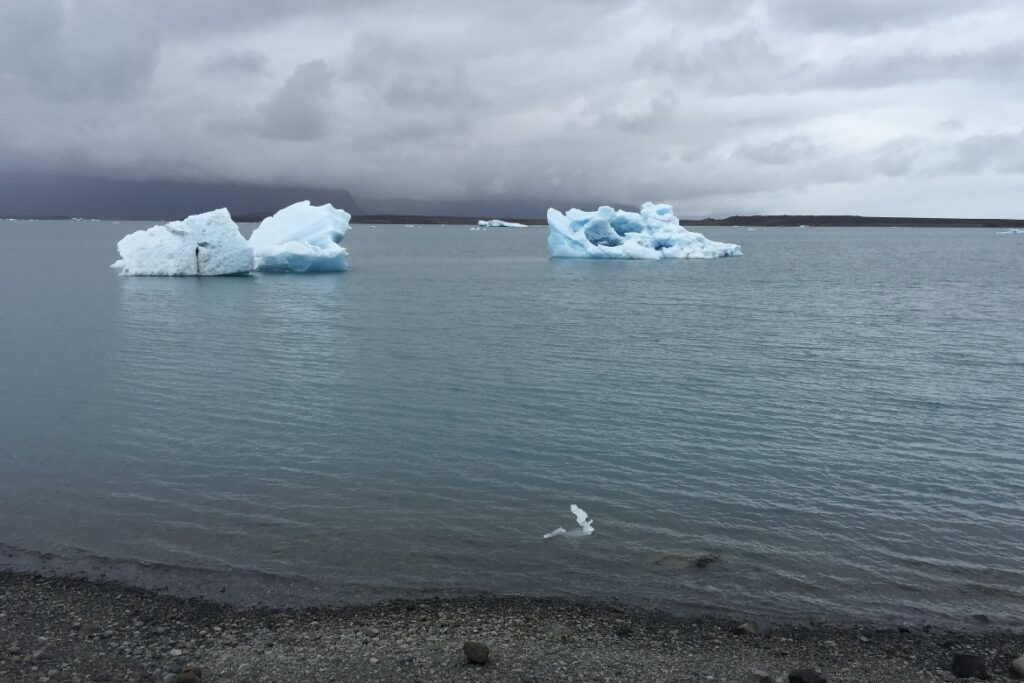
x=654, y=233
x=301, y=238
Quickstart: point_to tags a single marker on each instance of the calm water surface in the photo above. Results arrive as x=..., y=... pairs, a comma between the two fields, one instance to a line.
x=838, y=416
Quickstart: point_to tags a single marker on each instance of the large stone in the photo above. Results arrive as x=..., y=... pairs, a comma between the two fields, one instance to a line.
x=806, y=676
x=969, y=666
x=476, y=653
x=191, y=674
x=747, y=628
x=1017, y=666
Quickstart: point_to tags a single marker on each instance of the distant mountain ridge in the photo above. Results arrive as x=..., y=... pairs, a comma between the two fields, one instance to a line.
x=24, y=195
x=67, y=195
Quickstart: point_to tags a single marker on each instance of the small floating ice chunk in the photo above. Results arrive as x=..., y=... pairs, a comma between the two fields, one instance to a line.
x=495, y=223
x=301, y=238
x=1012, y=231
x=582, y=518
x=206, y=244
x=654, y=233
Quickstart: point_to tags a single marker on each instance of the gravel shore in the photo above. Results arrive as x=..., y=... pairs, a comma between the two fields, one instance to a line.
x=77, y=630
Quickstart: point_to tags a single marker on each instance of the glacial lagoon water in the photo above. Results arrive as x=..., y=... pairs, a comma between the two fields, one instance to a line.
x=838, y=416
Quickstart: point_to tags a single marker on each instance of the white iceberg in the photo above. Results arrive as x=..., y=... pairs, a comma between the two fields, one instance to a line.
x=1012, y=231
x=301, y=238
x=582, y=518
x=654, y=233
x=207, y=244
x=495, y=223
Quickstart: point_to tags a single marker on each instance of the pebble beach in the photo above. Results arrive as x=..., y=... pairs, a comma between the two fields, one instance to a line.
x=71, y=629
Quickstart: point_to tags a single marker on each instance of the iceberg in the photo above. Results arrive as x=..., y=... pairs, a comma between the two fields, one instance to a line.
x=495, y=223
x=654, y=233
x=1012, y=231
x=206, y=244
x=301, y=238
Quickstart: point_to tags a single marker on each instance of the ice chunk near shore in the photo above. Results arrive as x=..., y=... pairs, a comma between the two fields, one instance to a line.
x=301, y=238
x=582, y=518
x=206, y=244
x=495, y=223
x=654, y=233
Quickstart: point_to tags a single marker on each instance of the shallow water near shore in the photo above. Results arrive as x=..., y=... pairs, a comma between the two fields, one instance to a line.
x=836, y=416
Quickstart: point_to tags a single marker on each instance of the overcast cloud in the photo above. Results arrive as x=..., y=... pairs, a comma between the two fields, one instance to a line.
x=798, y=106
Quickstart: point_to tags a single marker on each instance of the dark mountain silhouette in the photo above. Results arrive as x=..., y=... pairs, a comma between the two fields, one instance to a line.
x=51, y=196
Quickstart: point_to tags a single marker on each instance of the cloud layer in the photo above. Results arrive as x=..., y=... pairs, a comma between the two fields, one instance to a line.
x=798, y=106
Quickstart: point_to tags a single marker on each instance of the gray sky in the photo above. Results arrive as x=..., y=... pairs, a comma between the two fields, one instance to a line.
x=885, y=107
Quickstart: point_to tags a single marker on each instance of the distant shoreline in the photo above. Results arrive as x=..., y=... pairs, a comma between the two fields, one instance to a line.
x=773, y=221
x=72, y=628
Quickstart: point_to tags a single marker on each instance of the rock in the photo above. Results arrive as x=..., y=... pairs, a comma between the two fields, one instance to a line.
x=702, y=561
x=969, y=666
x=806, y=676
x=1017, y=666
x=758, y=677
x=192, y=673
x=476, y=653
x=176, y=652
x=747, y=628
x=682, y=562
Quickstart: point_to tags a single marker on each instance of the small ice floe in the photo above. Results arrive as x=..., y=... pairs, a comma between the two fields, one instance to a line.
x=495, y=223
x=1012, y=231
x=582, y=518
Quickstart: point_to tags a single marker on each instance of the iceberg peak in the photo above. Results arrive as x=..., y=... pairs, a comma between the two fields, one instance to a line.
x=301, y=238
x=204, y=244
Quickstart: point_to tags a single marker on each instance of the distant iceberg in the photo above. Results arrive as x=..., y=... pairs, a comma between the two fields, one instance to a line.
x=206, y=244
x=654, y=233
x=1012, y=231
x=495, y=223
x=301, y=238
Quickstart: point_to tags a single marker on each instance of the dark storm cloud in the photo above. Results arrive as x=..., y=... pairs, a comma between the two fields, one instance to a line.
x=300, y=109
x=70, y=51
x=1000, y=152
x=1002, y=63
x=235, y=63
x=778, y=152
x=867, y=16
x=772, y=105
